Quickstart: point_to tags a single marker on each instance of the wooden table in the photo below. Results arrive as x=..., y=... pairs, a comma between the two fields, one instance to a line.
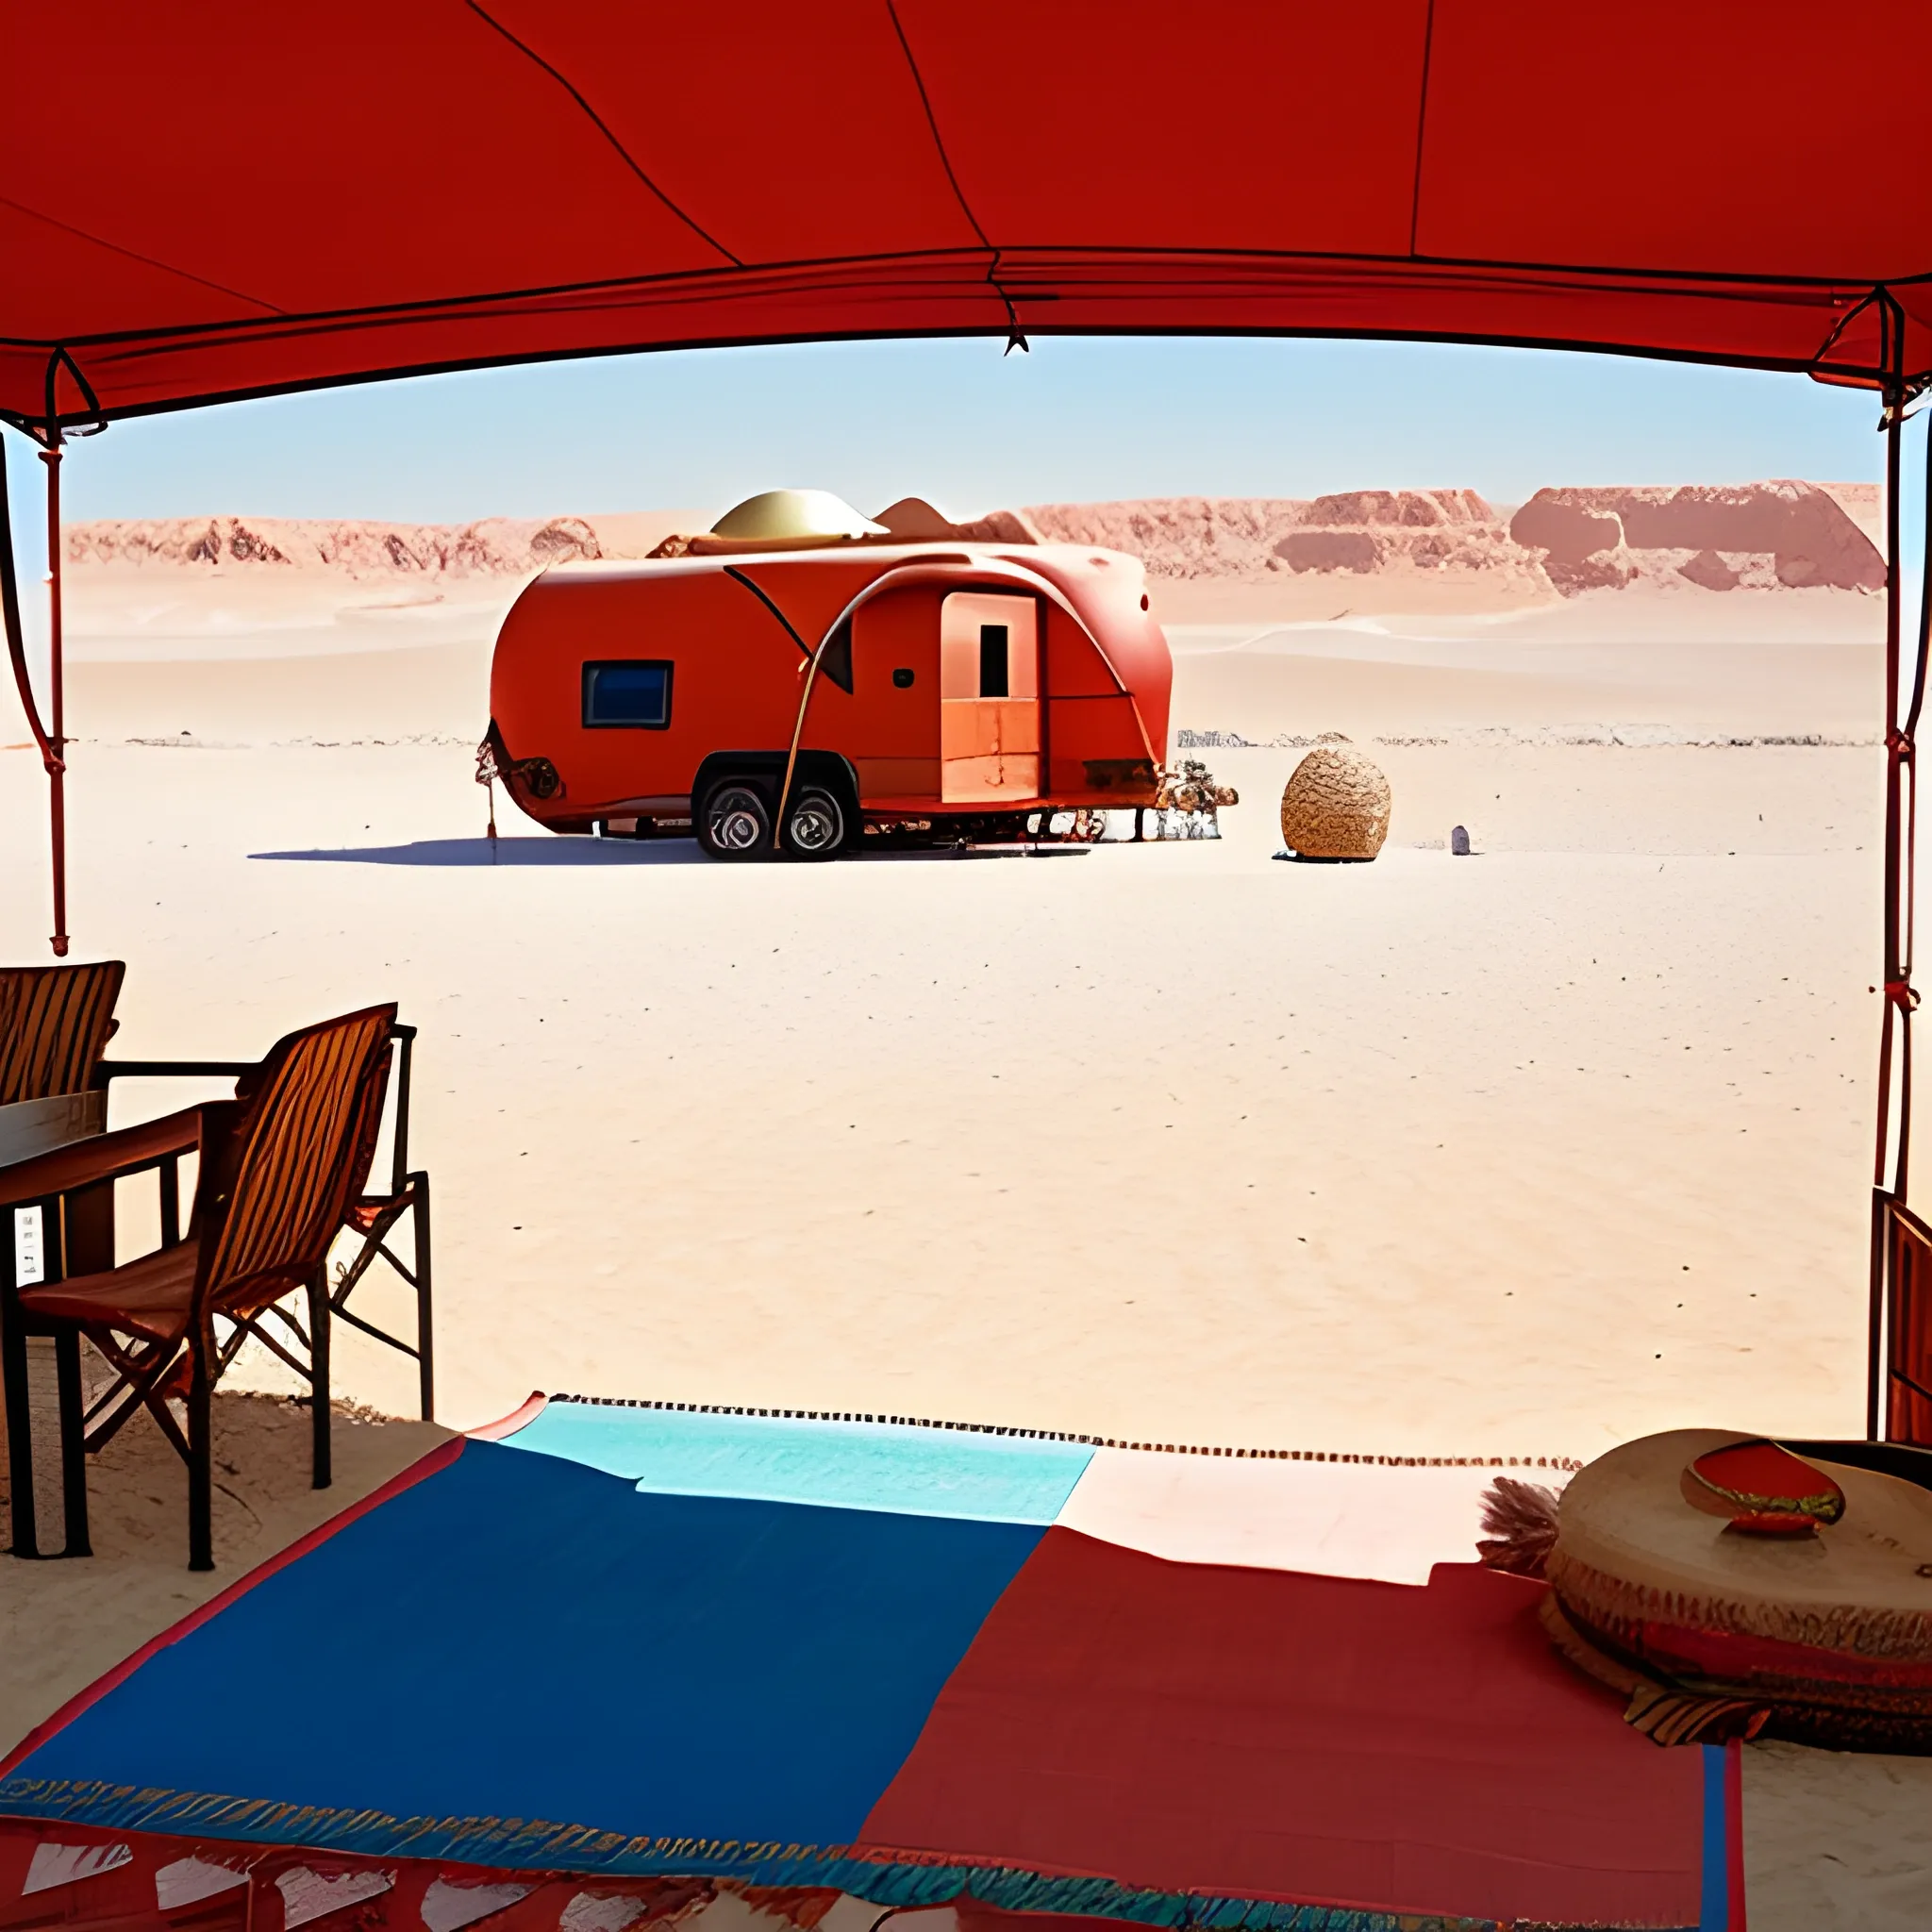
x=46, y=1239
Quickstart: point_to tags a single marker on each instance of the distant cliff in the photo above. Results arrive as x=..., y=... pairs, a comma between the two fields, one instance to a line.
x=1358, y=532
x=1759, y=536
x=496, y=546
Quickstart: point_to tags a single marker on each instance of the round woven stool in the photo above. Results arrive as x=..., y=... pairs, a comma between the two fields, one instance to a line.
x=1710, y=1631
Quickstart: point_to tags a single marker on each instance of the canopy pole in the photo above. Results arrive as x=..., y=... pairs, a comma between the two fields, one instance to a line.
x=1898, y=1249
x=1878, y=1367
x=57, y=703
x=52, y=762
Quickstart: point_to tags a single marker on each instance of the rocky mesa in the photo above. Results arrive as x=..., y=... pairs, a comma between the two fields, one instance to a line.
x=1357, y=532
x=1782, y=535
x=495, y=547
x=1565, y=540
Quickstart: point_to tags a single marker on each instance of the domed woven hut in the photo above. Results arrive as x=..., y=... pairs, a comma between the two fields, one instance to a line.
x=1336, y=806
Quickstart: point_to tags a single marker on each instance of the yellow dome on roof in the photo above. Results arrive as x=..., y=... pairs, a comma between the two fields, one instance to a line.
x=798, y=516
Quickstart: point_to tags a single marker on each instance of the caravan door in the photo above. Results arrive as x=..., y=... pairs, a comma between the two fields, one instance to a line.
x=988, y=699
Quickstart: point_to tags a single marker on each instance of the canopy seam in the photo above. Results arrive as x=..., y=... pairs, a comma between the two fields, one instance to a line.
x=932, y=122
x=31, y=424
x=167, y=268
x=1532, y=277
x=598, y=121
x=1421, y=127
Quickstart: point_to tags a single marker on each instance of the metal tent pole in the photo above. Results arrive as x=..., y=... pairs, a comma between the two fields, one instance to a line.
x=52, y=759
x=1901, y=1306
x=1893, y=1039
x=56, y=701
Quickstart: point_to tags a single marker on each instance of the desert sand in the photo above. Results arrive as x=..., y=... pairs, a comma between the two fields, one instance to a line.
x=1519, y=1154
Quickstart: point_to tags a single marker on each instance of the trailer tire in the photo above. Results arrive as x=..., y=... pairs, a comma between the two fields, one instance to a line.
x=815, y=824
x=734, y=821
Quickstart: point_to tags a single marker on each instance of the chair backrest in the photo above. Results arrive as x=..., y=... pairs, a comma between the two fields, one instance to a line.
x=54, y=1026
x=368, y=1125
x=299, y=1134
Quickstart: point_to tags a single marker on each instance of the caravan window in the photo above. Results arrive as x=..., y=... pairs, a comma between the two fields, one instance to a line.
x=633, y=693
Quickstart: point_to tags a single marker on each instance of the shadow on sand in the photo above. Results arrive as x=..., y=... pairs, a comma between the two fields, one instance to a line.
x=567, y=851
x=550, y=851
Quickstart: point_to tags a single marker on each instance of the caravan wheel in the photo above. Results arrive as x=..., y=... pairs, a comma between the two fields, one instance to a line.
x=735, y=822
x=815, y=825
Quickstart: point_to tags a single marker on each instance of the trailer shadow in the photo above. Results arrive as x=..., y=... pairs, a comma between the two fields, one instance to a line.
x=544, y=851
x=940, y=855
x=580, y=850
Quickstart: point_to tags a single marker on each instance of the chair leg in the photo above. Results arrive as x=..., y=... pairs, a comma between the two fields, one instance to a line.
x=318, y=1376
x=425, y=1338
x=201, y=1475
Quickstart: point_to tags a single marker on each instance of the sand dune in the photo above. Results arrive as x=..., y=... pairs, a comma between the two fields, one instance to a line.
x=295, y=665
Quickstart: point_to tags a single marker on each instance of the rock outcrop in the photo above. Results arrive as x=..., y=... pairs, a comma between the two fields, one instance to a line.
x=496, y=546
x=1758, y=536
x=912, y=520
x=1357, y=532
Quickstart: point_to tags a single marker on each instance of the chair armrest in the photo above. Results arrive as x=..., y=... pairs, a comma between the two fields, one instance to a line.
x=169, y=1070
x=104, y=1157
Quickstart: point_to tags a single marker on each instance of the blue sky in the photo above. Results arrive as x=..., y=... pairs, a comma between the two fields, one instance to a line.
x=957, y=422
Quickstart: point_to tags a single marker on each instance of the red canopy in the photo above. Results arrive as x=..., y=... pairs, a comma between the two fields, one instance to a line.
x=237, y=199
x=234, y=199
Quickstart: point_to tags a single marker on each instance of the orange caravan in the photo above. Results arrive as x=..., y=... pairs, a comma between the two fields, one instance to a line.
x=801, y=677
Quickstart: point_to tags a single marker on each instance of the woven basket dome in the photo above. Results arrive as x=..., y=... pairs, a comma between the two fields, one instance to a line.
x=1336, y=806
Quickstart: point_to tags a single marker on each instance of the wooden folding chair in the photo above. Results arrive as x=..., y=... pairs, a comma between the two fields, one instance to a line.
x=276, y=1166
x=373, y=1218
x=376, y=1217
x=55, y=1024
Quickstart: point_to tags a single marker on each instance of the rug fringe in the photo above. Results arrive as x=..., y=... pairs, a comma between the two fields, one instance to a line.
x=1568, y=1463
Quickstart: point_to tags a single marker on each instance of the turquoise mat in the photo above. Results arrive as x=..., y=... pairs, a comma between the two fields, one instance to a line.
x=881, y=1466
